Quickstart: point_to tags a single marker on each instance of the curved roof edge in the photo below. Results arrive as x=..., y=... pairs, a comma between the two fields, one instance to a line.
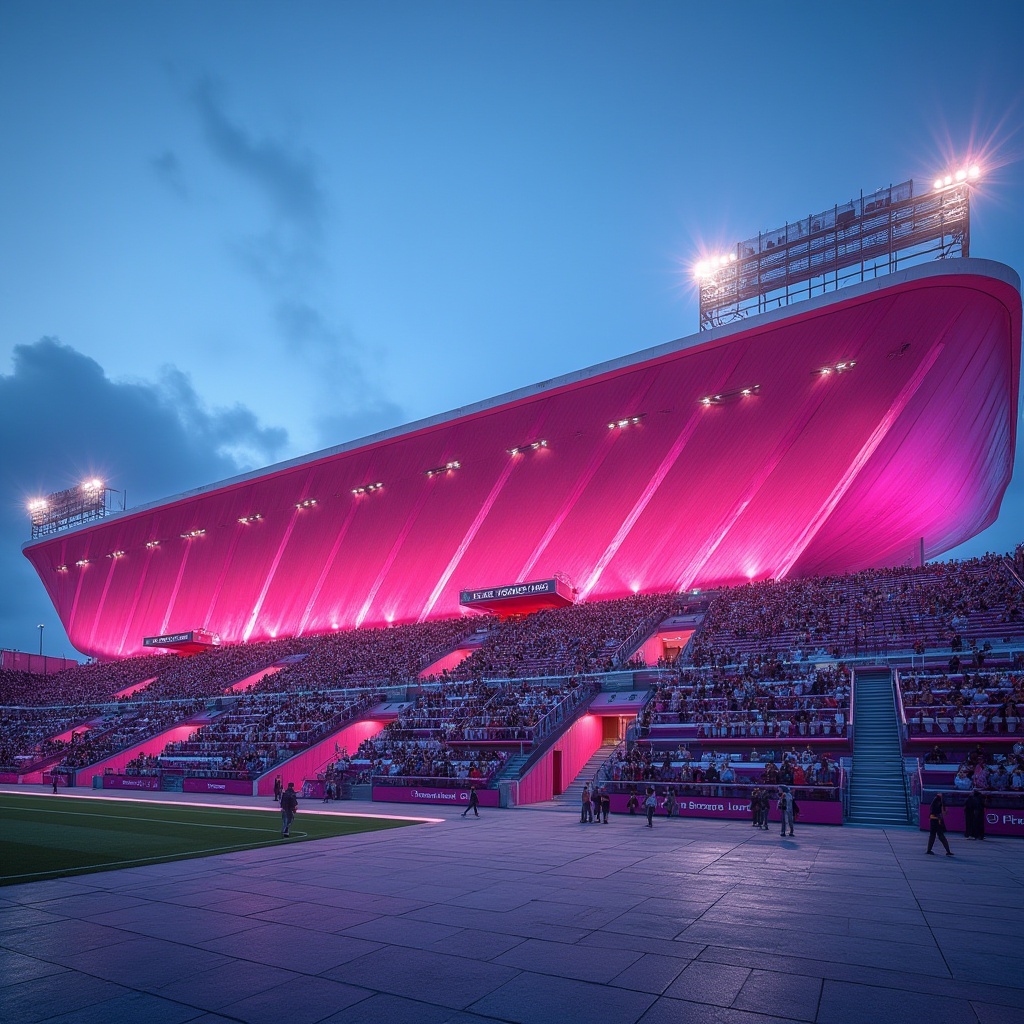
x=981, y=268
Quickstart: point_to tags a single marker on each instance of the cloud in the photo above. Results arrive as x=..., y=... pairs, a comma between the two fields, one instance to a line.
x=286, y=177
x=62, y=419
x=286, y=255
x=357, y=406
x=168, y=170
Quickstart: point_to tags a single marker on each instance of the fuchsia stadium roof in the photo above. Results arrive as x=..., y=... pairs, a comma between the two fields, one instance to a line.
x=811, y=474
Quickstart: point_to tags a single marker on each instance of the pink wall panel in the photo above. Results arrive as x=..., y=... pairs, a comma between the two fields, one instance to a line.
x=116, y=762
x=577, y=747
x=309, y=762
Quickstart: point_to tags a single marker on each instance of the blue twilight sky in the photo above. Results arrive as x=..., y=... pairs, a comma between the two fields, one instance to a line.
x=235, y=232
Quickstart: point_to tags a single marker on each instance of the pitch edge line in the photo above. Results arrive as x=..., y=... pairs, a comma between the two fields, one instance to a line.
x=236, y=807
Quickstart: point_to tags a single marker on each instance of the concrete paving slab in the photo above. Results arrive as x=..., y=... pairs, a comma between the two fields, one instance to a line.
x=524, y=916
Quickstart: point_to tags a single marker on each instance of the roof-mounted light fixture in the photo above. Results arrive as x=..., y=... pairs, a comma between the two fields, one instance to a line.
x=724, y=396
x=192, y=534
x=532, y=447
x=367, y=489
x=628, y=421
x=81, y=562
x=116, y=554
x=254, y=518
x=446, y=468
x=308, y=503
x=152, y=544
x=843, y=367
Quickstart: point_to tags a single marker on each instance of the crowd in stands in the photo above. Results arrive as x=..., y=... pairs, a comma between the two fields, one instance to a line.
x=577, y=639
x=387, y=656
x=384, y=759
x=761, y=698
x=937, y=605
x=962, y=703
x=133, y=723
x=432, y=738
x=27, y=734
x=997, y=775
x=260, y=730
x=715, y=774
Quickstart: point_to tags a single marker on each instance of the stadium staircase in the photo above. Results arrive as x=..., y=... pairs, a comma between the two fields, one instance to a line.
x=572, y=793
x=877, y=784
x=513, y=767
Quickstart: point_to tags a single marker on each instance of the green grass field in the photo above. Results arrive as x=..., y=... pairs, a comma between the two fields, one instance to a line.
x=49, y=837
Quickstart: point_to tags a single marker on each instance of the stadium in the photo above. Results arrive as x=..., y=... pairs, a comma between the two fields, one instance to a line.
x=697, y=582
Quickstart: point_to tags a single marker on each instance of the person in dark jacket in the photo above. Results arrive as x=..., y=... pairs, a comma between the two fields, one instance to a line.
x=937, y=820
x=586, y=813
x=289, y=805
x=474, y=803
x=974, y=816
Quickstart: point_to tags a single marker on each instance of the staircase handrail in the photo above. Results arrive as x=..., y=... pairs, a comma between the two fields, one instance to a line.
x=738, y=789
x=441, y=781
x=1012, y=569
x=901, y=711
x=541, y=748
x=853, y=698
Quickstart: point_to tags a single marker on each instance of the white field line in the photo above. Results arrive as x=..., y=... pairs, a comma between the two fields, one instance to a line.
x=10, y=791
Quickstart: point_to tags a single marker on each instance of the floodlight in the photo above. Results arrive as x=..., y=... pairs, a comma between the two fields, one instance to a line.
x=975, y=171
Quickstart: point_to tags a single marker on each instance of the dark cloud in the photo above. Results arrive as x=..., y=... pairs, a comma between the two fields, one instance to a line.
x=62, y=419
x=357, y=406
x=285, y=176
x=168, y=170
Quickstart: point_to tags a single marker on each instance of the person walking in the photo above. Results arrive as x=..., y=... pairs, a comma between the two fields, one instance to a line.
x=278, y=790
x=937, y=819
x=53, y=779
x=595, y=801
x=787, y=807
x=606, y=804
x=670, y=803
x=586, y=814
x=633, y=802
x=755, y=807
x=289, y=805
x=650, y=806
x=474, y=803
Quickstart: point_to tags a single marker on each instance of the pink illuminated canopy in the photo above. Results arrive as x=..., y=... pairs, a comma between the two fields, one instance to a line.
x=658, y=473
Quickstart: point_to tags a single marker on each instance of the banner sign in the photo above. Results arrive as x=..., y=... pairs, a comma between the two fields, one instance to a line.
x=167, y=638
x=433, y=795
x=999, y=821
x=812, y=812
x=143, y=782
x=506, y=593
x=242, y=787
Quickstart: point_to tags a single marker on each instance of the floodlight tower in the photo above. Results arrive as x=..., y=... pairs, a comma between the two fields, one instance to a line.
x=874, y=234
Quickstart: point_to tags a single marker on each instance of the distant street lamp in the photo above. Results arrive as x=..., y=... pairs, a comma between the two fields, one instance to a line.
x=41, y=628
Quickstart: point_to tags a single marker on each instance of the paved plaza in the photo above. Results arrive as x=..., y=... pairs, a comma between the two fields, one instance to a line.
x=528, y=916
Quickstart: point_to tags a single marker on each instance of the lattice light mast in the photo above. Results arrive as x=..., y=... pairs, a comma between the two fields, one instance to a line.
x=867, y=237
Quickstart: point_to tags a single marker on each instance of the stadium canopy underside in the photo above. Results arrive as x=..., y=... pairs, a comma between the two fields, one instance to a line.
x=810, y=473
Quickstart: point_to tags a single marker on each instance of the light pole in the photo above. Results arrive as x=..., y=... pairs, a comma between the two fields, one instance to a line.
x=41, y=628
